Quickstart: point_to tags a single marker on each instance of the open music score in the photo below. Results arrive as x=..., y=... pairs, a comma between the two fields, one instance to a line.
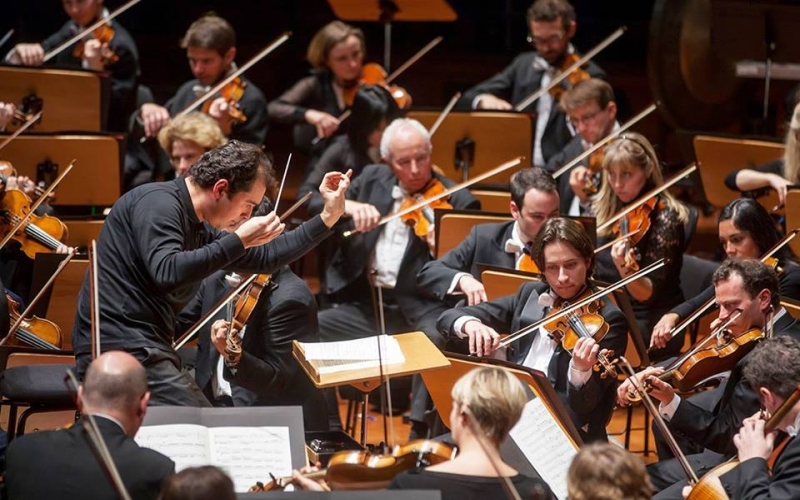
x=330, y=357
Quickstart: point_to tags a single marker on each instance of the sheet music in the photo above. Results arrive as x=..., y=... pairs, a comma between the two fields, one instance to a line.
x=545, y=445
x=186, y=444
x=250, y=454
x=329, y=357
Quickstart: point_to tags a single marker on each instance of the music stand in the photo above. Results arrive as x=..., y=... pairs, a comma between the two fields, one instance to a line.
x=96, y=179
x=71, y=99
x=496, y=136
x=388, y=11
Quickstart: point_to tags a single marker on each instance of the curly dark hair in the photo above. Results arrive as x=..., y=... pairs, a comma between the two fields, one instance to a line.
x=774, y=364
x=237, y=162
x=755, y=275
x=562, y=229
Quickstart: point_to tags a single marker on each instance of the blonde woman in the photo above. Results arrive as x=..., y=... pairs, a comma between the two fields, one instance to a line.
x=631, y=169
x=185, y=139
x=778, y=174
x=604, y=471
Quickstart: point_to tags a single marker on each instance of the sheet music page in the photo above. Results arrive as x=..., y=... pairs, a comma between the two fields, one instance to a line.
x=353, y=354
x=545, y=445
x=186, y=444
x=250, y=454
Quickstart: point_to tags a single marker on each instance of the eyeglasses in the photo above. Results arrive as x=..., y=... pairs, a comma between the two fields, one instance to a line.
x=550, y=40
x=585, y=118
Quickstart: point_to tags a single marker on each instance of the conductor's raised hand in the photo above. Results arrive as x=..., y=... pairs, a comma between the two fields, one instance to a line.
x=260, y=230
x=333, y=187
x=483, y=340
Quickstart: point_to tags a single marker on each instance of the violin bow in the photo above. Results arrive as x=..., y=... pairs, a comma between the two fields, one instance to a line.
x=605, y=140
x=6, y=37
x=564, y=74
x=57, y=50
x=94, y=300
x=444, y=194
x=299, y=203
x=643, y=199
x=25, y=126
x=283, y=181
x=508, y=486
x=581, y=303
x=91, y=428
x=38, y=202
x=256, y=58
x=446, y=111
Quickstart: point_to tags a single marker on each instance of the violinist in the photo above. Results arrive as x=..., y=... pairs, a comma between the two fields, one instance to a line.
x=592, y=111
x=746, y=231
x=630, y=169
x=552, y=25
x=534, y=200
x=161, y=239
x=314, y=103
x=565, y=253
x=7, y=112
x=708, y=421
x=773, y=372
x=124, y=69
x=778, y=175
x=185, y=139
x=389, y=256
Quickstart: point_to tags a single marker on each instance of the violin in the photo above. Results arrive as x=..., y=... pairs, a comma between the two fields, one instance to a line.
x=591, y=183
x=422, y=219
x=635, y=225
x=374, y=74
x=40, y=234
x=577, y=75
x=584, y=322
x=103, y=34
x=232, y=92
x=239, y=311
x=362, y=470
x=33, y=331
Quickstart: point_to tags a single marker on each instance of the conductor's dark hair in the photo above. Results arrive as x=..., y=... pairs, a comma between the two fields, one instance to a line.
x=237, y=162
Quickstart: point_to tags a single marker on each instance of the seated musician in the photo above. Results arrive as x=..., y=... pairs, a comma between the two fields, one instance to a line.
x=124, y=71
x=592, y=111
x=314, y=103
x=630, y=169
x=746, y=231
x=710, y=419
x=564, y=252
x=206, y=482
x=162, y=239
x=552, y=26
x=773, y=372
x=185, y=139
x=388, y=256
x=779, y=174
x=534, y=200
x=64, y=463
x=606, y=471
x=210, y=44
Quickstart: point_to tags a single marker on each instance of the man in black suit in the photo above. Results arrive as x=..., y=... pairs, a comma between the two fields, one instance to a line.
x=534, y=199
x=565, y=253
x=263, y=373
x=592, y=111
x=64, y=463
x=552, y=26
x=710, y=420
x=124, y=70
x=388, y=256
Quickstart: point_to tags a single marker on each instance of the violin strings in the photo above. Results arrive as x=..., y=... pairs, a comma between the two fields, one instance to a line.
x=37, y=232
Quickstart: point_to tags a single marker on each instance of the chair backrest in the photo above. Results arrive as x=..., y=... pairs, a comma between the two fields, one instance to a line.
x=492, y=201
x=793, y=216
x=499, y=284
x=453, y=227
x=29, y=358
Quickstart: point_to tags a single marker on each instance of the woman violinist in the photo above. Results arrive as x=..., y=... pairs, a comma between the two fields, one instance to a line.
x=746, y=231
x=630, y=169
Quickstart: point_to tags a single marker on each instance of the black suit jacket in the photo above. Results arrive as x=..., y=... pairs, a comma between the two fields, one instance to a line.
x=268, y=374
x=715, y=429
x=347, y=275
x=573, y=148
x=63, y=464
x=752, y=480
x=516, y=82
x=485, y=244
x=589, y=406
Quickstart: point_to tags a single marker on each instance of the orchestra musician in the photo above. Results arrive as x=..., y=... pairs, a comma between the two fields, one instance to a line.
x=565, y=253
x=314, y=103
x=746, y=231
x=124, y=71
x=606, y=471
x=630, y=169
x=708, y=421
x=161, y=239
x=779, y=174
x=387, y=256
x=185, y=139
x=7, y=112
x=592, y=111
x=534, y=200
x=552, y=26
x=65, y=464
x=206, y=482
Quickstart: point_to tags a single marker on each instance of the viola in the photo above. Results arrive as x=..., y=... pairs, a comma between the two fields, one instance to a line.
x=374, y=74
x=573, y=78
x=40, y=234
x=362, y=470
x=422, y=219
x=232, y=92
x=635, y=225
x=33, y=331
x=103, y=34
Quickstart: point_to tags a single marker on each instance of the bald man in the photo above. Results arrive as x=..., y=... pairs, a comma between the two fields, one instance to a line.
x=64, y=464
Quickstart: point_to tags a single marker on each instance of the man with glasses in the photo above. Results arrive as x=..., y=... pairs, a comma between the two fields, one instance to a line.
x=552, y=26
x=592, y=112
